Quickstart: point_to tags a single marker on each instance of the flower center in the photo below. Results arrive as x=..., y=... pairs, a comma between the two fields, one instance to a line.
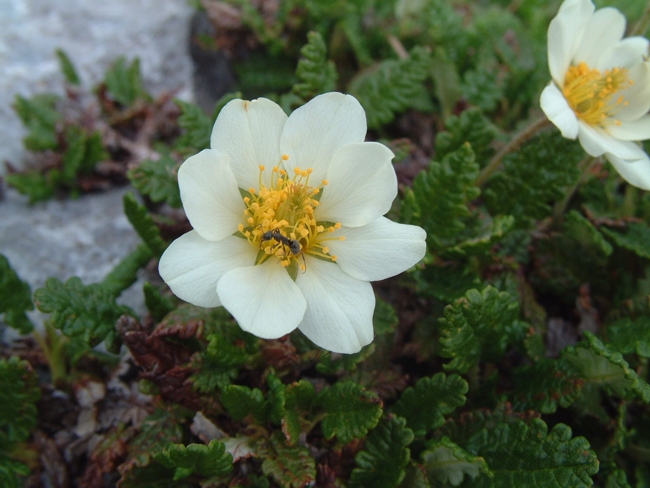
x=594, y=96
x=279, y=219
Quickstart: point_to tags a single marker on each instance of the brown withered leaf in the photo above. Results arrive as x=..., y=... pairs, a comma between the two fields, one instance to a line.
x=106, y=457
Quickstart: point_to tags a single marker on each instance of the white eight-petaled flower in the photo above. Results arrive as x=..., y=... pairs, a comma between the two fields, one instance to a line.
x=600, y=91
x=288, y=222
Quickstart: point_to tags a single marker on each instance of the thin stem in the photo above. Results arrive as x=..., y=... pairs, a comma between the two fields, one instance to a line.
x=641, y=25
x=560, y=207
x=513, y=145
x=398, y=47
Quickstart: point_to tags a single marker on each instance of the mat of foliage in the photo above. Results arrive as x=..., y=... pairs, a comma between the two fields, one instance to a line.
x=515, y=355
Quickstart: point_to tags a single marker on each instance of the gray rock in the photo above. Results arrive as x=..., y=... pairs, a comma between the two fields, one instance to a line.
x=93, y=33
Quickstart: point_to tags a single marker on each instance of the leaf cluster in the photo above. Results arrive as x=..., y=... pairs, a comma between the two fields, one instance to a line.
x=15, y=298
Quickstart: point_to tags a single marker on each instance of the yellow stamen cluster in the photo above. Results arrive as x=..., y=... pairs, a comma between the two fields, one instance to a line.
x=279, y=218
x=593, y=95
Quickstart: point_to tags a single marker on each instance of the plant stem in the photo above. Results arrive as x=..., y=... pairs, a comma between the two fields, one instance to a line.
x=513, y=145
x=560, y=207
x=641, y=25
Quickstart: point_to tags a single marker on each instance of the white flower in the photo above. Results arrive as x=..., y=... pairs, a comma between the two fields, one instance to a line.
x=600, y=91
x=288, y=222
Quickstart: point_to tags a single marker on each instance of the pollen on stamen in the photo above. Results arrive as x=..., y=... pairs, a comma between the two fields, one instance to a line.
x=325, y=182
x=262, y=167
x=342, y=238
x=326, y=249
x=240, y=227
x=334, y=258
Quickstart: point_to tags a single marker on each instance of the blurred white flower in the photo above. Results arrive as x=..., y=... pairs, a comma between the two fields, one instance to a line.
x=288, y=222
x=600, y=91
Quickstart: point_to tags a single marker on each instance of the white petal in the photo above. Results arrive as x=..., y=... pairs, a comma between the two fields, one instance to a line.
x=210, y=196
x=636, y=173
x=316, y=130
x=362, y=185
x=636, y=130
x=249, y=132
x=564, y=34
x=624, y=54
x=339, y=308
x=559, y=112
x=264, y=299
x=638, y=95
x=192, y=266
x=604, y=29
x=596, y=142
x=378, y=250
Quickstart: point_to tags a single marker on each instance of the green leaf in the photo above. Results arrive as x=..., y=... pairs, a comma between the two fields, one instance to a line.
x=483, y=86
x=520, y=454
x=241, y=401
x=208, y=461
x=124, y=82
x=228, y=350
x=73, y=157
x=598, y=366
x=534, y=177
x=299, y=397
x=316, y=74
x=15, y=298
x=157, y=304
x=545, y=385
x=446, y=462
x=79, y=310
x=158, y=180
x=34, y=184
x=391, y=86
x=289, y=466
x=383, y=461
x=446, y=282
x=125, y=273
x=384, y=318
x=636, y=238
x=144, y=225
x=479, y=325
x=580, y=229
x=349, y=411
x=631, y=336
x=446, y=83
x=10, y=471
x=426, y=405
x=482, y=237
x=40, y=116
x=470, y=126
x=18, y=397
x=438, y=200
x=197, y=127
x=67, y=68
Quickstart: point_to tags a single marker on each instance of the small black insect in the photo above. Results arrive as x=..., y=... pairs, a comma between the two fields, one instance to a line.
x=293, y=245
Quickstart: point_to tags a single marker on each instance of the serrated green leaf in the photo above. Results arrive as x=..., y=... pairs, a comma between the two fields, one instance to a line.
x=67, y=68
x=534, y=177
x=598, y=366
x=617, y=479
x=384, y=318
x=124, y=82
x=299, y=397
x=15, y=298
x=335, y=363
x=524, y=454
x=446, y=83
x=483, y=87
x=630, y=336
x=34, y=184
x=446, y=282
x=10, y=471
x=545, y=385
x=125, y=273
x=316, y=74
x=482, y=237
x=470, y=126
x=425, y=405
x=383, y=461
x=438, y=200
x=276, y=399
x=208, y=461
x=158, y=180
x=197, y=127
x=289, y=466
x=157, y=304
x=636, y=238
x=73, y=157
x=349, y=411
x=241, y=401
x=391, y=87
x=583, y=231
x=446, y=462
x=415, y=477
x=18, y=396
x=476, y=326
x=40, y=116
x=144, y=225
x=79, y=310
